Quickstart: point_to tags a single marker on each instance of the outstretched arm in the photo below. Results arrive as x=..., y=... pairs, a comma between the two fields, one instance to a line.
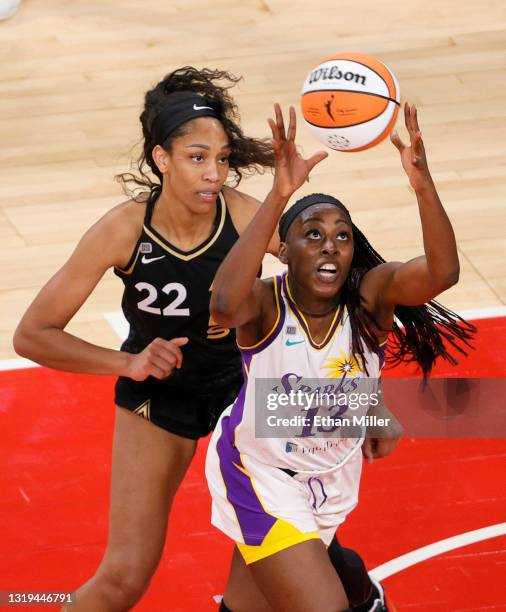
x=41, y=335
x=423, y=278
x=237, y=293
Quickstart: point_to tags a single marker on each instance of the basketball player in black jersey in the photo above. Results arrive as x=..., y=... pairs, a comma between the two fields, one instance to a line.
x=177, y=370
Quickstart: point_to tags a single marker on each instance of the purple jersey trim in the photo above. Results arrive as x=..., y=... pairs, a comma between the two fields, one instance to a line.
x=302, y=322
x=254, y=521
x=263, y=344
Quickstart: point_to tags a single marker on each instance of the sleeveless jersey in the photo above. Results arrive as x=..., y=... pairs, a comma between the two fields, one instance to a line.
x=293, y=361
x=167, y=293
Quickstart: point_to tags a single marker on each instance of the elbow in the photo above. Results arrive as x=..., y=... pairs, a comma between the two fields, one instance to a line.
x=220, y=310
x=21, y=343
x=452, y=277
x=449, y=279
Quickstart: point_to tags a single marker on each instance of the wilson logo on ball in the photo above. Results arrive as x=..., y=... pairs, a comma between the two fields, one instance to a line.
x=333, y=73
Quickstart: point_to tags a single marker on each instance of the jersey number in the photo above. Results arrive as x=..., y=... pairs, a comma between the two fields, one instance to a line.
x=172, y=309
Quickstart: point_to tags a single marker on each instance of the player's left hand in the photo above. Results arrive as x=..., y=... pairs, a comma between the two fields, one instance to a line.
x=291, y=169
x=377, y=448
x=413, y=158
x=381, y=441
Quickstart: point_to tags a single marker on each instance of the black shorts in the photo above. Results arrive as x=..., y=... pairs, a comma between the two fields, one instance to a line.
x=186, y=411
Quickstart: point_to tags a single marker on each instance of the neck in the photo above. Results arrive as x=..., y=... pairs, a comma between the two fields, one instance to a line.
x=312, y=306
x=178, y=223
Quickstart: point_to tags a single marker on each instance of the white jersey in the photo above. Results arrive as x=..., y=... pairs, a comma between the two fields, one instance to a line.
x=294, y=362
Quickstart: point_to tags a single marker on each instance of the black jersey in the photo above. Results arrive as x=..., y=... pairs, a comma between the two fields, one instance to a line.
x=167, y=294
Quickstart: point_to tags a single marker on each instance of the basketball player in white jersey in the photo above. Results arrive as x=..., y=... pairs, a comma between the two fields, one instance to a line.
x=281, y=500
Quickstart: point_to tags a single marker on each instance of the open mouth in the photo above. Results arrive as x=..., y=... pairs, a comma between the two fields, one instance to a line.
x=327, y=273
x=208, y=195
x=328, y=270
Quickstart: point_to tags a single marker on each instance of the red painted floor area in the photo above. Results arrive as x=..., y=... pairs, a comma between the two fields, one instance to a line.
x=55, y=463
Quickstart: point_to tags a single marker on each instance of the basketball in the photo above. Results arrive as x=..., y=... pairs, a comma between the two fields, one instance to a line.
x=350, y=101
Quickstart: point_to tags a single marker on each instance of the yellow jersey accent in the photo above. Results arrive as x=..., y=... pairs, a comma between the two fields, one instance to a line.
x=217, y=232
x=318, y=345
x=344, y=365
x=254, y=346
x=129, y=270
x=281, y=535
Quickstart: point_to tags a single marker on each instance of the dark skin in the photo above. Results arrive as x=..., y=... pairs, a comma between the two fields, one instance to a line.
x=319, y=237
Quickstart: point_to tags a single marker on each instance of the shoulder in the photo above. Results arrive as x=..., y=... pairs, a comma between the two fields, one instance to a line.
x=243, y=208
x=257, y=329
x=118, y=230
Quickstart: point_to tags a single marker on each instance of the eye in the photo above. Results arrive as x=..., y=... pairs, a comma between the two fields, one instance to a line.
x=313, y=234
x=197, y=157
x=224, y=160
x=343, y=236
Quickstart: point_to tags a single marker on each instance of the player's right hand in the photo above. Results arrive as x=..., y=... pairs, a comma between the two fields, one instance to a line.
x=158, y=359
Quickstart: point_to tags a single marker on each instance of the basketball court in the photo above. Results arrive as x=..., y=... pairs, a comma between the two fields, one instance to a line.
x=431, y=520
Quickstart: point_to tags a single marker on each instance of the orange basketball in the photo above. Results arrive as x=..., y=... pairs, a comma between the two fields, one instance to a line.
x=350, y=101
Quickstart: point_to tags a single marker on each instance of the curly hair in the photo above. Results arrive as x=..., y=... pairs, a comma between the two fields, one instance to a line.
x=248, y=156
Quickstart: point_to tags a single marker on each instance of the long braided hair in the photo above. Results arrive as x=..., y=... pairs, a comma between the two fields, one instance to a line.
x=418, y=332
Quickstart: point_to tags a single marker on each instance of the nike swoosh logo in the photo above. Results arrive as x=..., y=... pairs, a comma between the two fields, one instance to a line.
x=289, y=343
x=145, y=260
x=195, y=107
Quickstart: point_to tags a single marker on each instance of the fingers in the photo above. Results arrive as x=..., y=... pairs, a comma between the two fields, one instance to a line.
x=416, y=127
x=280, y=123
x=278, y=127
x=411, y=118
x=277, y=140
x=292, y=125
x=396, y=141
x=316, y=159
x=164, y=355
x=367, y=450
x=416, y=148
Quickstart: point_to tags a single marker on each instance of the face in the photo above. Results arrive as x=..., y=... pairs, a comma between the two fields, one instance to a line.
x=197, y=165
x=319, y=250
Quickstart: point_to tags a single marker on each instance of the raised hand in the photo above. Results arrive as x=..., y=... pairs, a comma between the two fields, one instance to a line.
x=158, y=359
x=291, y=169
x=413, y=157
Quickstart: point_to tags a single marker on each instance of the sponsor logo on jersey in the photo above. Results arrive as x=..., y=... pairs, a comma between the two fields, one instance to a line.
x=145, y=260
x=291, y=343
x=146, y=247
x=292, y=447
x=144, y=410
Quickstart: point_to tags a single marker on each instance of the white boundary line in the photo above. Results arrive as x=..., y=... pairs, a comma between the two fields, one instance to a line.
x=427, y=552
x=17, y=364
x=483, y=313
x=437, y=548
x=120, y=325
x=118, y=322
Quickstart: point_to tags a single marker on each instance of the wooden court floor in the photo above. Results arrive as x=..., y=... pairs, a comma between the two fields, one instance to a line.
x=72, y=79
